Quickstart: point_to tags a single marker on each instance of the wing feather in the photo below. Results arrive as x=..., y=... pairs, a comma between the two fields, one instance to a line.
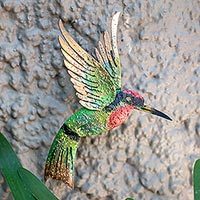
x=108, y=48
x=80, y=51
x=95, y=87
x=108, y=54
x=100, y=59
x=114, y=37
x=106, y=62
x=68, y=51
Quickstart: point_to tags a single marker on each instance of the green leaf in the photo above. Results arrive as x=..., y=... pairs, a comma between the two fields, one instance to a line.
x=37, y=188
x=9, y=164
x=23, y=184
x=196, y=180
x=129, y=198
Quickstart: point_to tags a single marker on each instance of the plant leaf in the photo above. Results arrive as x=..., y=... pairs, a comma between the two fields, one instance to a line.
x=9, y=164
x=196, y=180
x=23, y=184
x=37, y=188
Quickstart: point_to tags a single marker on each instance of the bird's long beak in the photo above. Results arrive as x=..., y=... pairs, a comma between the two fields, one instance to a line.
x=154, y=112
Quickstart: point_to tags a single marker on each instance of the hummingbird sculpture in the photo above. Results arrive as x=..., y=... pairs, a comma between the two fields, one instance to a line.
x=105, y=105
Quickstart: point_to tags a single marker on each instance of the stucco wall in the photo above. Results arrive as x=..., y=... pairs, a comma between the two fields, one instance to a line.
x=147, y=157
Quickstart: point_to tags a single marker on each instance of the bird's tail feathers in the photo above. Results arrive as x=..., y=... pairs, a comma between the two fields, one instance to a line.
x=61, y=157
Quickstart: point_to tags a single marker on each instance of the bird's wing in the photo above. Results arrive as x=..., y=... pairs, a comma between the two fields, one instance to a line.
x=107, y=52
x=95, y=87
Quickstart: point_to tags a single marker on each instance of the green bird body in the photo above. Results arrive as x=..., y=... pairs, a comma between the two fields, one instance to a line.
x=84, y=122
x=105, y=105
x=87, y=122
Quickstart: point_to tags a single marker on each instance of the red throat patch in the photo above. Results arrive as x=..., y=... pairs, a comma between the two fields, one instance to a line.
x=118, y=116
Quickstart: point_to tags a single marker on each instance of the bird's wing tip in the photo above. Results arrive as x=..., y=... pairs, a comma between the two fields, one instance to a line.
x=117, y=14
x=60, y=24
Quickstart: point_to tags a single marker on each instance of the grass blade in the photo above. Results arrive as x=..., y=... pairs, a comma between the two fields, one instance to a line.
x=23, y=184
x=9, y=165
x=37, y=188
x=196, y=180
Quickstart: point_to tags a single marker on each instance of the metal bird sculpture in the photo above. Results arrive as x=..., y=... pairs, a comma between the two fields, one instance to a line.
x=105, y=105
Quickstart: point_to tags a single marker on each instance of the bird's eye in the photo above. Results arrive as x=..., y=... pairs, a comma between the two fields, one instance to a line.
x=128, y=99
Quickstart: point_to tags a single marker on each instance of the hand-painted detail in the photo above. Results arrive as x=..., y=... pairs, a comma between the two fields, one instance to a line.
x=118, y=116
x=105, y=106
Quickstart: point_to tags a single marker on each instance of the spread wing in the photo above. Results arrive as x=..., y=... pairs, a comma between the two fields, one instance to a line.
x=108, y=55
x=95, y=87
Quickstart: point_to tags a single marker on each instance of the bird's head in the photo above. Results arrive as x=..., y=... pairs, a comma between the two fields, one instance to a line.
x=134, y=99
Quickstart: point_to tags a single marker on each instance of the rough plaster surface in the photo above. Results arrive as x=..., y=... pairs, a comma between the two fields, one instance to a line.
x=147, y=157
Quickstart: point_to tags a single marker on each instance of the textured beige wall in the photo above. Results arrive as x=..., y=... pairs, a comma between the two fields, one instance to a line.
x=147, y=157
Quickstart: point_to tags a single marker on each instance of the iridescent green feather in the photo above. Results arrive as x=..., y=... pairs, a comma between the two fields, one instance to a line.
x=61, y=159
x=95, y=87
x=88, y=122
